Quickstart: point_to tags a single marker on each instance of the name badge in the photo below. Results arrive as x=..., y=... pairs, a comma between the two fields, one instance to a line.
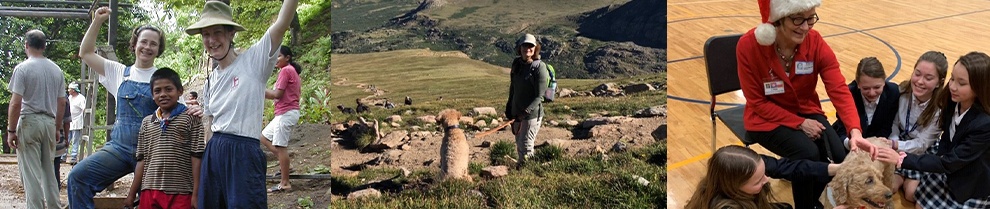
x=773, y=87
x=804, y=68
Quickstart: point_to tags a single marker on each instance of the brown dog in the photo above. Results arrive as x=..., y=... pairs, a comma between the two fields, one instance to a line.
x=861, y=182
x=454, y=150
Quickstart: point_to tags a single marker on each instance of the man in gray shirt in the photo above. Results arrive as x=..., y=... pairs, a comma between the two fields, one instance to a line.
x=36, y=106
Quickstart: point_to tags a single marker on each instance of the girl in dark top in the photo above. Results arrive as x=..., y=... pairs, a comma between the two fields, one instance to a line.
x=960, y=170
x=737, y=177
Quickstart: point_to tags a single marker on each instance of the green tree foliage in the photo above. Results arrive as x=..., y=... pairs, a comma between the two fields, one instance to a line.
x=64, y=36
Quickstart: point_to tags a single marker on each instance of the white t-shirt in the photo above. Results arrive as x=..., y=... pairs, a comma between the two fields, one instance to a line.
x=235, y=95
x=76, y=106
x=114, y=75
x=40, y=82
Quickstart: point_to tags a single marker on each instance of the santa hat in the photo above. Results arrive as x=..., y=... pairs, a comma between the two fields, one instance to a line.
x=773, y=10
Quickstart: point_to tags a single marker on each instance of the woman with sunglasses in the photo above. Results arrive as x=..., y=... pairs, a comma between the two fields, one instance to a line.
x=779, y=64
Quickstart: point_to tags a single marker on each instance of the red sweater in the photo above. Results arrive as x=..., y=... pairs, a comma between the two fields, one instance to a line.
x=765, y=113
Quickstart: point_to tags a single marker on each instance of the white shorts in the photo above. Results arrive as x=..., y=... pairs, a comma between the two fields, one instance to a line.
x=280, y=128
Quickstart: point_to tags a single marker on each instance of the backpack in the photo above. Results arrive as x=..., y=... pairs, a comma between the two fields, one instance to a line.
x=551, y=81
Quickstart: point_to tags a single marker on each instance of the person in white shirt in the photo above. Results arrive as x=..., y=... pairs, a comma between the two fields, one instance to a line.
x=234, y=96
x=914, y=129
x=77, y=104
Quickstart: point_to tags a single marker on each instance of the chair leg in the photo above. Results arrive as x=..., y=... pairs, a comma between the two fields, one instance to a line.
x=713, y=132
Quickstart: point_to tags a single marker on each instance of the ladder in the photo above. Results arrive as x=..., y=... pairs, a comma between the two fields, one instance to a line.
x=89, y=84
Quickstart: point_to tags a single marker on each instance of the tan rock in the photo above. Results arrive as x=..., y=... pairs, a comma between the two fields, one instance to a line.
x=494, y=171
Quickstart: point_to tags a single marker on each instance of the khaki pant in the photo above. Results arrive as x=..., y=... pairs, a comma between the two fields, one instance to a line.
x=35, y=149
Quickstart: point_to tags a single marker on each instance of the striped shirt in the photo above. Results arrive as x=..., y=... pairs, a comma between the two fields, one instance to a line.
x=167, y=154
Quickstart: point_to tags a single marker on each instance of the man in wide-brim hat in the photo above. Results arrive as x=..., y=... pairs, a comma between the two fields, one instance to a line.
x=232, y=174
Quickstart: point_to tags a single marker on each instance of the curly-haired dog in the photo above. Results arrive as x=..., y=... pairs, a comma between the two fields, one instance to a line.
x=454, y=150
x=861, y=182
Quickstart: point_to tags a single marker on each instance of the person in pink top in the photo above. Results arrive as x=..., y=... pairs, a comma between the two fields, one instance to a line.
x=286, y=96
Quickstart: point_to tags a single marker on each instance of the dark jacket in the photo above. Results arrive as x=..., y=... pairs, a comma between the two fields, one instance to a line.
x=789, y=169
x=526, y=90
x=963, y=158
x=883, y=117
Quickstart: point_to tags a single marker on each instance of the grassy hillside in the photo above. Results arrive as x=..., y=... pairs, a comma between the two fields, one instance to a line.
x=515, y=16
x=487, y=31
x=464, y=83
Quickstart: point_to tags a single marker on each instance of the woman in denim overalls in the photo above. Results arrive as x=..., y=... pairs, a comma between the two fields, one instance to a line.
x=134, y=101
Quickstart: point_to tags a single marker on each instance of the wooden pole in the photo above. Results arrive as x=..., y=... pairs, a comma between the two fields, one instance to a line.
x=112, y=40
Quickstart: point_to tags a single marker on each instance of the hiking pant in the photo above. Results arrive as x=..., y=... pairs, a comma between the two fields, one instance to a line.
x=526, y=138
x=35, y=148
x=232, y=173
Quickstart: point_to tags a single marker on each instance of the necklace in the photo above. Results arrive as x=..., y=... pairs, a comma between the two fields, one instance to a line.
x=787, y=60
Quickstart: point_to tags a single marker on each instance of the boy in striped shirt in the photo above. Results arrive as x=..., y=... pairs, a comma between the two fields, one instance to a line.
x=170, y=147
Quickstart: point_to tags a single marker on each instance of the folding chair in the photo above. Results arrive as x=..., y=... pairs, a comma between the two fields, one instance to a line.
x=720, y=61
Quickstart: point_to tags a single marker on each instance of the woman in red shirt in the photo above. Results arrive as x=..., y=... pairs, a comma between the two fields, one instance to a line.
x=780, y=62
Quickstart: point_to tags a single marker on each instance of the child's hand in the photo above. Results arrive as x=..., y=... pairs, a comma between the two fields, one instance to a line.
x=129, y=202
x=888, y=155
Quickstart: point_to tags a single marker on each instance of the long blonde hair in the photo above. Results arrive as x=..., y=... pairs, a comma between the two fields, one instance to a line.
x=728, y=169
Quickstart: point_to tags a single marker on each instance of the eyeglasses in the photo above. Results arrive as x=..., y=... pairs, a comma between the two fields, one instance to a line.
x=798, y=20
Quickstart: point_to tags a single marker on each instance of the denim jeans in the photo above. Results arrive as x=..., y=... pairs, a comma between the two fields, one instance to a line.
x=74, y=137
x=116, y=158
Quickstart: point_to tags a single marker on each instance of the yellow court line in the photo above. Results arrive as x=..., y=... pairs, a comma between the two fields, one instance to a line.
x=696, y=158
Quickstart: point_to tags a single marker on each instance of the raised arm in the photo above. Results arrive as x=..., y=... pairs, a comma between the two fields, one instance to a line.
x=282, y=23
x=87, y=49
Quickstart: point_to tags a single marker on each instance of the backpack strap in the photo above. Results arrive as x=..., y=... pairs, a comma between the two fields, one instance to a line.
x=533, y=70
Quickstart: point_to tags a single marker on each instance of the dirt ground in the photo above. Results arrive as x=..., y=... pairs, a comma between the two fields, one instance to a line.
x=420, y=151
x=307, y=150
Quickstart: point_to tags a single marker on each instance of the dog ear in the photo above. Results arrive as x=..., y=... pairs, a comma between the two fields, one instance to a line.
x=840, y=186
x=441, y=115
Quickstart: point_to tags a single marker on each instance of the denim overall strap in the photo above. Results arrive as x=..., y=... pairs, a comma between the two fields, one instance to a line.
x=134, y=102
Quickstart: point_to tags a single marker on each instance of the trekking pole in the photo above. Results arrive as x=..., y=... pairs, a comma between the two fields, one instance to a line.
x=486, y=133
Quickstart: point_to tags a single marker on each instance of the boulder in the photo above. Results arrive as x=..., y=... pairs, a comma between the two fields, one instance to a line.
x=655, y=111
x=428, y=119
x=636, y=88
x=390, y=141
x=393, y=119
x=494, y=171
x=562, y=143
x=571, y=122
x=466, y=120
x=607, y=90
x=478, y=111
x=564, y=92
x=369, y=192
